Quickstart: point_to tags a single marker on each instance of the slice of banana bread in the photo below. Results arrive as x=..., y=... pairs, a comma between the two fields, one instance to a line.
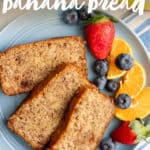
x=88, y=116
x=39, y=116
x=25, y=66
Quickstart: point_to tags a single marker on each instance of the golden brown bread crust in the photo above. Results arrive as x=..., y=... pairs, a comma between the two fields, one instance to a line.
x=27, y=117
x=60, y=133
x=24, y=66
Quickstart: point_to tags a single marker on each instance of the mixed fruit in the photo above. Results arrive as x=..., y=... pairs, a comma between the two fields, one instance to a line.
x=118, y=73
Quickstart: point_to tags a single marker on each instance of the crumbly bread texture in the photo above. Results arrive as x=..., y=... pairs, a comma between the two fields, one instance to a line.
x=25, y=66
x=39, y=116
x=88, y=116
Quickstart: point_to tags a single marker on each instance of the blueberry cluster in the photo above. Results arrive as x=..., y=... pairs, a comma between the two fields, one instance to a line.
x=123, y=62
x=101, y=69
x=72, y=16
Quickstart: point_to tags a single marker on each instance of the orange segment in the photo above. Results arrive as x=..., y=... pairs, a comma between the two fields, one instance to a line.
x=119, y=46
x=133, y=82
x=140, y=107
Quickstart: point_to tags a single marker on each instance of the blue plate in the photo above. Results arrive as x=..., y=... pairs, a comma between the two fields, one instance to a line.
x=41, y=25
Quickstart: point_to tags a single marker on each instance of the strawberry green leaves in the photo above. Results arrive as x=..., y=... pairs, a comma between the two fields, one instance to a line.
x=140, y=130
x=112, y=18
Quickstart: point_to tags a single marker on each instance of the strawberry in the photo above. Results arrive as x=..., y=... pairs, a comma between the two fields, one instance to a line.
x=100, y=33
x=131, y=132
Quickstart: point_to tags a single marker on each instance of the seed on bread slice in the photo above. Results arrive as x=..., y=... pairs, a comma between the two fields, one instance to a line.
x=38, y=117
x=24, y=66
x=88, y=116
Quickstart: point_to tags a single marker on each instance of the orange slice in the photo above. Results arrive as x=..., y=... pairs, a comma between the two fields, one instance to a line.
x=133, y=82
x=140, y=107
x=119, y=46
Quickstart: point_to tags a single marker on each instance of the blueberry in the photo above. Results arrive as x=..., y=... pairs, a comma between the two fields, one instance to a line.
x=100, y=82
x=83, y=13
x=107, y=144
x=124, y=62
x=70, y=16
x=112, y=85
x=101, y=67
x=123, y=101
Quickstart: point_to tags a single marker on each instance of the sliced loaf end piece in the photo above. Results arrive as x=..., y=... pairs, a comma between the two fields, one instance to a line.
x=24, y=66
